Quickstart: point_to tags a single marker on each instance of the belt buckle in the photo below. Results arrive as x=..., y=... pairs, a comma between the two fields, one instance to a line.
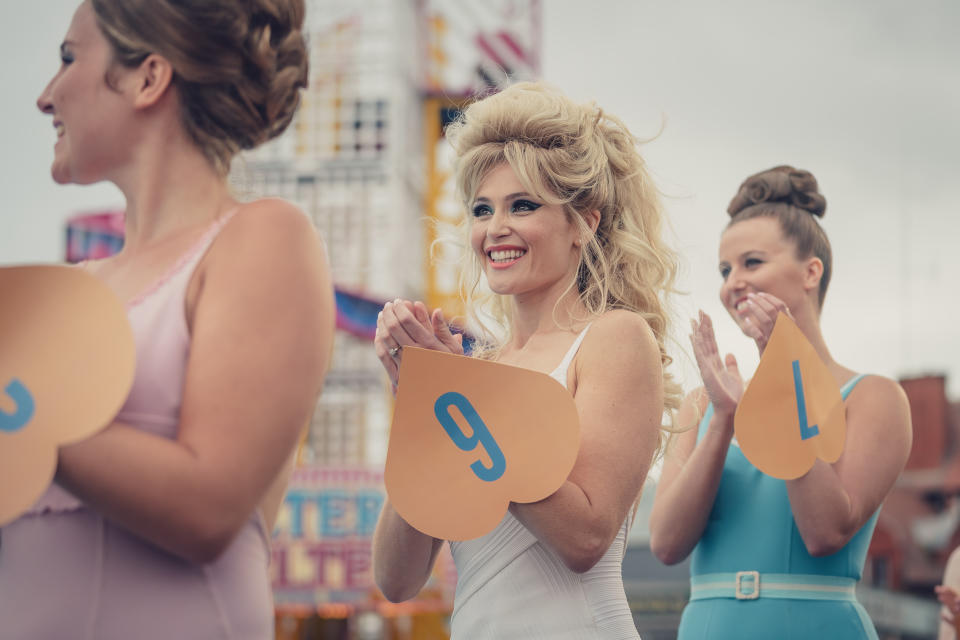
x=738, y=592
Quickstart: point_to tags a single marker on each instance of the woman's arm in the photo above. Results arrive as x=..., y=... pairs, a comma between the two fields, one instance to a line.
x=261, y=334
x=619, y=398
x=688, y=483
x=692, y=470
x=832, y=502
x=948, y=594
x=403, y=557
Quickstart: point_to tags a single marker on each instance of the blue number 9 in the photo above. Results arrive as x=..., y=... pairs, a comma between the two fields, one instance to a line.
x=481, y=435
x=21, y=397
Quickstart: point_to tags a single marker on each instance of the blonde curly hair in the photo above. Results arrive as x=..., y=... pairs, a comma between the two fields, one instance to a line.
x=576, y=156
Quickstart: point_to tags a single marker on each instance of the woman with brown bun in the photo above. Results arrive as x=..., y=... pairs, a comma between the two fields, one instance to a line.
x=774, y=558
x=156, y=528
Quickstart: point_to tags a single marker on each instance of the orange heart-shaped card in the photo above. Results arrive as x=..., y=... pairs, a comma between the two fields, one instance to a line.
x=470, y=436
x=791, y=413
x=66, y=366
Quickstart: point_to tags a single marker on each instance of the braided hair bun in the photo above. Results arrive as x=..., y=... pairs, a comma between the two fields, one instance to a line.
x=239, y=65
x=784, y=184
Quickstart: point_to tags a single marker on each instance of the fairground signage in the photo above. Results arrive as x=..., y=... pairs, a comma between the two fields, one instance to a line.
x=321, y=544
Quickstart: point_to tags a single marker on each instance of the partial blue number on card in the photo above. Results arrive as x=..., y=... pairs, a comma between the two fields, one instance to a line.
x=481, y=435
x=23, y=413
x=806, y=432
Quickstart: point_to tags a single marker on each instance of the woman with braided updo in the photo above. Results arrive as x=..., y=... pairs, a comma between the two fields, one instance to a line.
x=774, y=558
x=564, y=223
x=158, y=527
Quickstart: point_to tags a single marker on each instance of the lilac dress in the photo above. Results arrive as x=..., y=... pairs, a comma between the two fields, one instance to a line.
x=68, y=573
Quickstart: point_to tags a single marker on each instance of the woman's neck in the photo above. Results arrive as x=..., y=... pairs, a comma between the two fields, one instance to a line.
x=540, y=314
x=170, y=187
x=808, y=321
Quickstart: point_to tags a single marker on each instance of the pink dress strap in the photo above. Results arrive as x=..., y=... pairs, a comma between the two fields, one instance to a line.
x=190, y=257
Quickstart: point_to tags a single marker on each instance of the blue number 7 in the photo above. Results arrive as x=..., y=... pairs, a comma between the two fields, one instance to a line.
x=481, y=435
x=806, y=432
x=15, y=421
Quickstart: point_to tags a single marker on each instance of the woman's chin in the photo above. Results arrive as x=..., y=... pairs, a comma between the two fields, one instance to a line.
x=60, y=172
x=498, y=287
x=63, y=175
x=59, y=178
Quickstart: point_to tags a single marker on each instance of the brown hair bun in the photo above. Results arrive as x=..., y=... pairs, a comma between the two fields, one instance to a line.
x=784, y=184
x=239, y=65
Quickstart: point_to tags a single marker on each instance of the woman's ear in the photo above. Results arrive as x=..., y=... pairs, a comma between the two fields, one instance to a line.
x=592, y=218
x=813, y=272
x=152, y=79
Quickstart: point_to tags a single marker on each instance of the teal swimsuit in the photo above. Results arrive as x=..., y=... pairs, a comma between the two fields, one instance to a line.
x=751, y=534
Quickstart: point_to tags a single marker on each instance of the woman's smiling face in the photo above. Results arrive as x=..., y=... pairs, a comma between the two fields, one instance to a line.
x=755, y=257
x=524, y=245
x=87, y=113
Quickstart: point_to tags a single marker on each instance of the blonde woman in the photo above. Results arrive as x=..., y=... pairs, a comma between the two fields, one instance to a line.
x=564, y=225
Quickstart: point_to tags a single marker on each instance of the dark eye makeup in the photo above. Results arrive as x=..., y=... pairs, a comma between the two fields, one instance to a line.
x=519, y=206
x=481, y=210
x=66, y=56
x=525, y=206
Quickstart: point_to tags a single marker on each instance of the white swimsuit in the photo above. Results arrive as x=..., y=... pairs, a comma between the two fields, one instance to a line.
x=512, y=586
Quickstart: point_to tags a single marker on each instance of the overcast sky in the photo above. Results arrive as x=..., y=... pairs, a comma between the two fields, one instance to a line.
x=863, y=93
